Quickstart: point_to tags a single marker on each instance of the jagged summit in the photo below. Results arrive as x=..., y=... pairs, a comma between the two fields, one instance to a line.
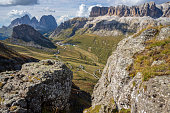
x=46, y=24
x=147, y=9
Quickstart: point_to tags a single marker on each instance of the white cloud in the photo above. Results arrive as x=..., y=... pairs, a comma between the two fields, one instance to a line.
x=62, y=19
x=84, y=10
x=90, y=8
x=17, y=2
x=133, y=2
x=128, y=2
x=47, y=9
x=13, y=14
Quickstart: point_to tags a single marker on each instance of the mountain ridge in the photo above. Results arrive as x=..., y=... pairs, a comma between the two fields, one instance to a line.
x=147, y=9
x=47, y=24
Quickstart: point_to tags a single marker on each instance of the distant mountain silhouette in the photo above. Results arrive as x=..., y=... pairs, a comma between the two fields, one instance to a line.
x=46, y=24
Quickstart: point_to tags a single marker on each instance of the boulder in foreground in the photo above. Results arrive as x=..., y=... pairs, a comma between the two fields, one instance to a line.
x=45, y=84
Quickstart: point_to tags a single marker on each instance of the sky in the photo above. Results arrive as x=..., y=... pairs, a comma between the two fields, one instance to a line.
x=61, y=9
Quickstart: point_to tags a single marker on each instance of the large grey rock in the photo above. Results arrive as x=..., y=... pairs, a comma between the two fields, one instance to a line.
x=131, y=93
x=37, y=85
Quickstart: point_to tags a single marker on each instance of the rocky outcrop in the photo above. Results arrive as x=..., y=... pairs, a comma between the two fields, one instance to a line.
x=30, y=37
x=73, y=24
x=147, y=9
x=37, y=86
x=117, y=89
x=46, y=24
x=98, y=11
x=11, y=60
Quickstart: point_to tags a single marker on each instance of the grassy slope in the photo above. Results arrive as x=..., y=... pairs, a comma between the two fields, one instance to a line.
x=102, y=47
x=73, y=57
x=156, y=50
x=91, y=52
x=9, y=53
x=33, y=52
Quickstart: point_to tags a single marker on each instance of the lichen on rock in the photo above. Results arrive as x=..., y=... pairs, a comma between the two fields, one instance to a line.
x=37, y=85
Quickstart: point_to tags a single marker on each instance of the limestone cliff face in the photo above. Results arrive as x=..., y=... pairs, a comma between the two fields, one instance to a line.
x=147, y=9
x=37, y=86
x=98, y=11
x=116, y=89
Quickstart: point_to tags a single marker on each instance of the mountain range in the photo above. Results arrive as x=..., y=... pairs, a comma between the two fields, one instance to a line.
x=147, y=9
x=46, y=24
x=130, y=44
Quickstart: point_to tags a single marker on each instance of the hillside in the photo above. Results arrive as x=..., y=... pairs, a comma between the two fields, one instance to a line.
x=136, y=76
x=93, y=42
x=116, y=60
x=5, y=32
x=11, y=60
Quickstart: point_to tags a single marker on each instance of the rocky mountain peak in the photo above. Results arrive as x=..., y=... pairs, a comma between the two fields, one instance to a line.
x=34, y=20
x=29, y=35
x=98, y=11
x=147, y=9
x=48, y=22
x=23, y=20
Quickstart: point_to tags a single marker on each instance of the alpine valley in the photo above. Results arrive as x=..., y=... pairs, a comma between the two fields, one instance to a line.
x=117, y=60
